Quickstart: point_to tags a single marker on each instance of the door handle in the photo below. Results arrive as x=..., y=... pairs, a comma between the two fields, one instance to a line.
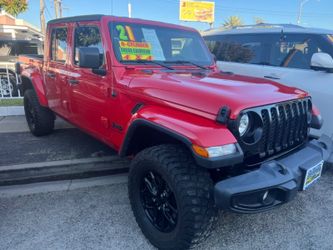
x=50, y=75
x=73, y=81
x=272, y=77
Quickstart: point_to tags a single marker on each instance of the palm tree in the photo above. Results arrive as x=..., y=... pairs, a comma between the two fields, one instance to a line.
x=233, y=21
x=14, y=7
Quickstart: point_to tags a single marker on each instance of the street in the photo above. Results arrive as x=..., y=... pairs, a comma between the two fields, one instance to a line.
x=100, y=217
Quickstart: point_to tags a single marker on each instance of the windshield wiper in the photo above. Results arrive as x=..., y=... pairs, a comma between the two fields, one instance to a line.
x=147, y=62
x=188, y=62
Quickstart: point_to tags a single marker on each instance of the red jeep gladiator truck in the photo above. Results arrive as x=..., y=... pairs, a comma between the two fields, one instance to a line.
x=200, y=139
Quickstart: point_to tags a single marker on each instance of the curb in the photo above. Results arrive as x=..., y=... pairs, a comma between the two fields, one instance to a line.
x=11, y=110
x=62, y=170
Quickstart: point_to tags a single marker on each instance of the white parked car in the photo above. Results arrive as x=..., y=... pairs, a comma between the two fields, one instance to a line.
x=289, y=54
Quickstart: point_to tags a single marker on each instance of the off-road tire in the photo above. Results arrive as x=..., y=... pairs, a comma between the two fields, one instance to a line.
x=193, y=191
x=40, y=119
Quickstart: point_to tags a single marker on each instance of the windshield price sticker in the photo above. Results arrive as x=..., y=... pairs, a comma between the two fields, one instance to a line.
x=135, y=50
x=151, y=37
x=122, y=33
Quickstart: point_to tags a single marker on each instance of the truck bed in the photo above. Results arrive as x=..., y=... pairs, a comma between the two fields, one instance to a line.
x=29, y=60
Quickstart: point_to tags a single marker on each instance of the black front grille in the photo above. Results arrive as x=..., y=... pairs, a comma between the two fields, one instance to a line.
x=284, y=127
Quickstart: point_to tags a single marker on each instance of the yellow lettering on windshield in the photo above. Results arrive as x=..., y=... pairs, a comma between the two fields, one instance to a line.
x=135, y=50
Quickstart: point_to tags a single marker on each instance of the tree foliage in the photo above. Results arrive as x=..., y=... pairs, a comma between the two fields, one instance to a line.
x=233, y=52
x=259, y=20
x=14, y=7
x=87, y=36
x=233, y=21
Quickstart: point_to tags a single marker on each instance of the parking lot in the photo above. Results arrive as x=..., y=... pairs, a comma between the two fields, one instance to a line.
x=101, y=218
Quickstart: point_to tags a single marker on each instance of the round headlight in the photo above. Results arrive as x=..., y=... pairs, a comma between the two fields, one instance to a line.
x=244, y=123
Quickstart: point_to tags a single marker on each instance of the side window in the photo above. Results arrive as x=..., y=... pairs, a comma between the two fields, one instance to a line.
x=59, y=44
x=294, y=50
x=238, y=48
x=87, y=36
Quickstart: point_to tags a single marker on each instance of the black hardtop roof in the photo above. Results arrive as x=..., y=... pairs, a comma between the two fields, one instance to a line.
x=100, y=16
x=96, y=17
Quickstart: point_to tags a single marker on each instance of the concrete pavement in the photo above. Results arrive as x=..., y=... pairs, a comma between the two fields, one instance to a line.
x=101, y=218
x=62, y=144
x=12, y=124
x=65, y=154
x=11, y=110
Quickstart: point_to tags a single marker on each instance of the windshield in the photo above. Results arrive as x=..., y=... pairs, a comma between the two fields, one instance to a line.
x=138, y=42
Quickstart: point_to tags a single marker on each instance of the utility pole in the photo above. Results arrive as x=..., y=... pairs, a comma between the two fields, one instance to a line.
x=42, y=15
x=58, y=8
x=129, y=9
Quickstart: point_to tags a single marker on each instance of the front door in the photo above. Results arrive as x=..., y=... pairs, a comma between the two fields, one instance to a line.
x=90, y=92
x=292, y=56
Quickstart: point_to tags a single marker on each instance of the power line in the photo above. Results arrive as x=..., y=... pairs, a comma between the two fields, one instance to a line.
x=48, y=12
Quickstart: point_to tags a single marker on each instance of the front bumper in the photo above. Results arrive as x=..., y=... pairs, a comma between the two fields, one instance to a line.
x=274, y=183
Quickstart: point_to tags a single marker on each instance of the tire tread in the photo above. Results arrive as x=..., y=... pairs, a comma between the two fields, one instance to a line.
x=194, y=187
x=44, y=117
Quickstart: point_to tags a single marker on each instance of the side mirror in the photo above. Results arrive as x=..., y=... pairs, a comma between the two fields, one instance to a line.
x=89, y=58
x=322, y=61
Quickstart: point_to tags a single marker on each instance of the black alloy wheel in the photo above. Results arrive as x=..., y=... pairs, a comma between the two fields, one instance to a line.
x=159, y=202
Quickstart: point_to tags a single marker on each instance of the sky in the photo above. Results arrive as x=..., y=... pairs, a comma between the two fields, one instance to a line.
x=316, y=13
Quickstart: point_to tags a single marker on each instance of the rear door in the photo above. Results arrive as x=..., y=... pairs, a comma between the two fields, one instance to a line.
x=56, y=70
x=90, y=92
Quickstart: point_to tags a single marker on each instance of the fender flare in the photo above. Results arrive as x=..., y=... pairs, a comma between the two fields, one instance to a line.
x=37, y=82
x=175, y=123
x=142, y=122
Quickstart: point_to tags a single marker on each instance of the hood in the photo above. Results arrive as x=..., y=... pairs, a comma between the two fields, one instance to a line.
x=207, y=93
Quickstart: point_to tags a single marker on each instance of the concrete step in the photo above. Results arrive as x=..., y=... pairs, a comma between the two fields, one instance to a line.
x=62, y=170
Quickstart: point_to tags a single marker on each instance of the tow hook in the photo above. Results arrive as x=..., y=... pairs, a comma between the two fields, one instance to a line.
x=283, y=169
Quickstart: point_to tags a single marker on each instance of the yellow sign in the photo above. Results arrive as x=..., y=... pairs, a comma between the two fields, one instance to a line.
x=196, y=11
x=135, y=50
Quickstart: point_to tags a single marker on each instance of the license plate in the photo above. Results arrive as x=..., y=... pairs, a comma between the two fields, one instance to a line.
x=312, y=175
